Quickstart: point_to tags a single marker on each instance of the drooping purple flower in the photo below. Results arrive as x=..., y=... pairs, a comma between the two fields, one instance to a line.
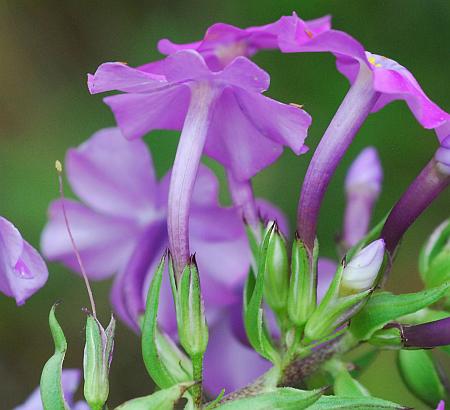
x=441, y=405
x=221, y=113
x=70, y=380
x=362, y=188
x=431, y=181
x=222, y=43
x=22, y=270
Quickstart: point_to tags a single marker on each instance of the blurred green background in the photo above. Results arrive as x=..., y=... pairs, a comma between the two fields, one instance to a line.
x=48, y=46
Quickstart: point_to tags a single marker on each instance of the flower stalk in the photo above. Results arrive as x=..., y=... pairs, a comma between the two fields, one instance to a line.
x=348, y=119
x=185, y=168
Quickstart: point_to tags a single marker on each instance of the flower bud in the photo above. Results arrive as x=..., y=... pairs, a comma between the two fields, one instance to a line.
x=434, y=260
x=303, y=283
x=361, y=272
x=362, y=187
x=97, y=361
x=192, y=327
x=442, y=156
x=388, y=338
x=276, y=279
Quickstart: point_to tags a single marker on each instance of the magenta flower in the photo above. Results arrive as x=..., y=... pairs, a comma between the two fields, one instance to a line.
x=70, y=380
x=362, y=188
x=222, y=43
x=221, y=113
x=22, y=270
x=376, y=81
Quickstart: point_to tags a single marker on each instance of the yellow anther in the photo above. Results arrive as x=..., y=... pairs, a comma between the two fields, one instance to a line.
x=373, y=62
x=309, y=33
x=300, y=106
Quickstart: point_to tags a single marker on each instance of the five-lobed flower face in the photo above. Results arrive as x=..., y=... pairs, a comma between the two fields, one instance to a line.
x=247, y=130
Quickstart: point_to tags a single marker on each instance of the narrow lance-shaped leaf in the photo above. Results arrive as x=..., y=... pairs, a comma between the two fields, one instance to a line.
x=253, y=319
x=421, y=376
x=283, y=398
x=153, y=363
x=51, y=389
x=345, y=385
x=384, y=307
x=161, y=400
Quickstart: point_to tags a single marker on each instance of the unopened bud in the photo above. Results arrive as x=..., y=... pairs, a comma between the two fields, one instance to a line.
x=192, y=327
x=361, y=272
x=388, y=338
x=276, y=279
x=303, y=283
x=362, y=187
x=442, y=156
x=97, y=361
x=434, y=260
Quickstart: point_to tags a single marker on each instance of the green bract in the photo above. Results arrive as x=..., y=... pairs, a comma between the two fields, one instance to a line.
x=384, y=307
x=51, y=390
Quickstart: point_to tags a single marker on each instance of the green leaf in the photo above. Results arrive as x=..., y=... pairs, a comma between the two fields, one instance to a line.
x=161, y=400
x=253, y=318
x=361, y=403
x=283, y=398
x=153, y=363
x=346, y=385
x=384, y=307
x=51, y=389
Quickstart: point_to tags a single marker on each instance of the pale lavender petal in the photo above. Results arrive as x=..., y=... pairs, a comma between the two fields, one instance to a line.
x=105, y=242
x=70, y=380
x=326, y=270
x=206, y=188
x=138, y=114
x=114, y=176
x=443, y=131
x=22, y=270
x=228, y=363
x=118, y=76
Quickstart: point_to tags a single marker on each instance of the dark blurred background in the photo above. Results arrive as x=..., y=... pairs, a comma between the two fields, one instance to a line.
x=48, y=46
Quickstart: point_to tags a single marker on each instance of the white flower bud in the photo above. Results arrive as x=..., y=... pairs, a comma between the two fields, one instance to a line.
x=362, y=271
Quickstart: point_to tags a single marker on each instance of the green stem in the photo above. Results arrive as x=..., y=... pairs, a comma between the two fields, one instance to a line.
x=197, y=388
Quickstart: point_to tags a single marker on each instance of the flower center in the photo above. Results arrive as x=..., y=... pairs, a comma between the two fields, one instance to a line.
x=378, y=61
x=227, y=53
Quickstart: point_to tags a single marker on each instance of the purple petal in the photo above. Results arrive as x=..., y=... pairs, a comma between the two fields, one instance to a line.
x=70, y=380
x=228, y=363
x=443, y=131
x=114, y=176
x=245, y=74
x=325, y=273
x=441, y=405
x=138, y=114
x=185, y=65
x=22, y=270
x=118, y=76
x=399, y=83
x=105, y=242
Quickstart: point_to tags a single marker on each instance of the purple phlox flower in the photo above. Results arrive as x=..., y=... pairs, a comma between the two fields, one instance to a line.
x=121, y=226
x=22, y=270
x=362, y=188
x=70, y=380
x=222, y=114
x=431, y=181
x=376, y=81
x=222, y=43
